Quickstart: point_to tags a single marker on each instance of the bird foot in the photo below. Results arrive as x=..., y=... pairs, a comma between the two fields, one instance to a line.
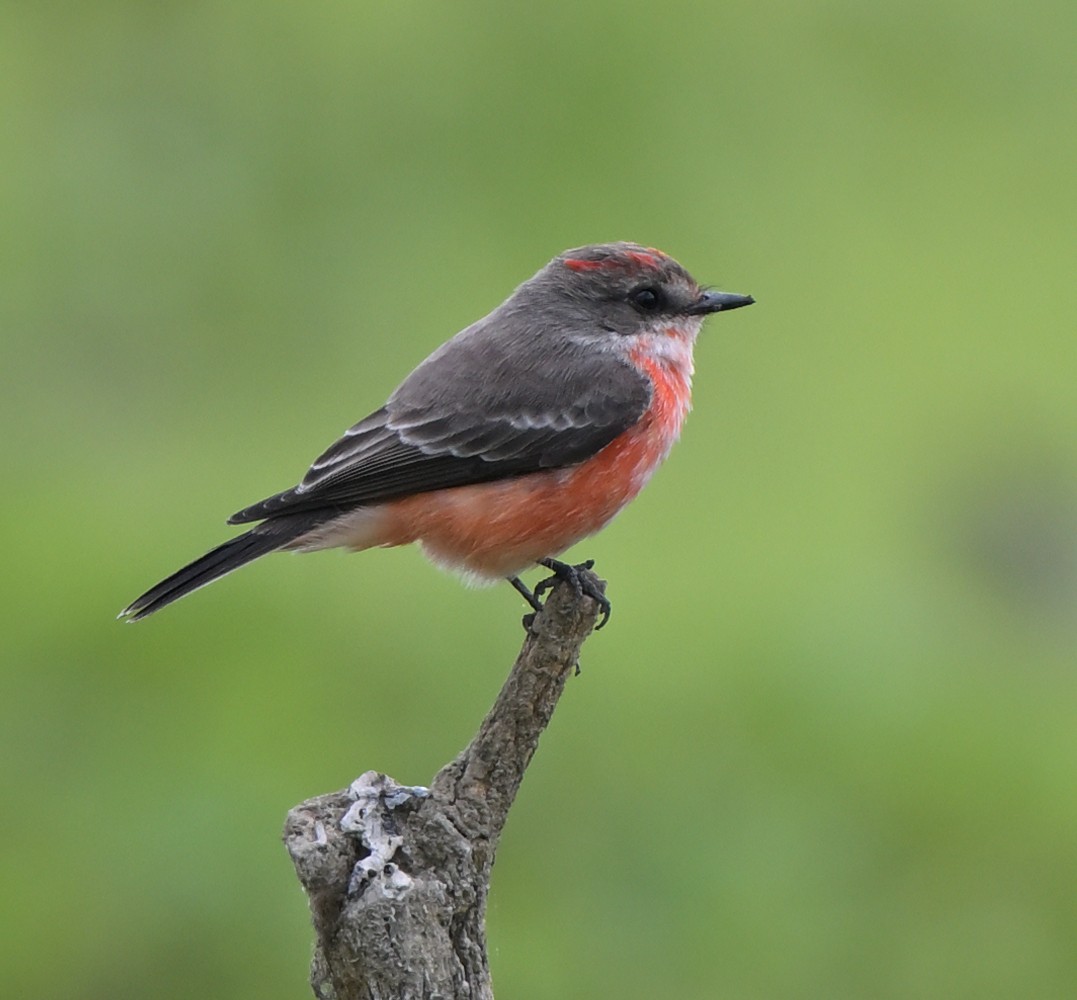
x=581, y=579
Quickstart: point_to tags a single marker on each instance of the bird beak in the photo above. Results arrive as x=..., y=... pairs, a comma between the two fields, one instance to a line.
x=712, y=302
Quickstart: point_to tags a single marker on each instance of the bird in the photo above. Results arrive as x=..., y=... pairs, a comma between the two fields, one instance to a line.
x=523, y=434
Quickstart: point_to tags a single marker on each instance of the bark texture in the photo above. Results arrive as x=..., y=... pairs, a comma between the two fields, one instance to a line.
x=397, y=876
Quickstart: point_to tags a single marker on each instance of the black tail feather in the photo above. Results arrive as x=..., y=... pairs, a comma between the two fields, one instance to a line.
x=216, y=563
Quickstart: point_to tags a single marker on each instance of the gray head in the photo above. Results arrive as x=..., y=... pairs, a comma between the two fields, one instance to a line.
x=622, y=287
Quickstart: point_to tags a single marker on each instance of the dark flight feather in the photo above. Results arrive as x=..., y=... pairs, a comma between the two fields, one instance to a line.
x=223, y=559
x=424, y=440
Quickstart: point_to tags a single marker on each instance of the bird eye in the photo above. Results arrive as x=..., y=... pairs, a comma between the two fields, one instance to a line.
x=646, y=299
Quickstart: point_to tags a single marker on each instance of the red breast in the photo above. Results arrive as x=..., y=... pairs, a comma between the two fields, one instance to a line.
x=496, y=530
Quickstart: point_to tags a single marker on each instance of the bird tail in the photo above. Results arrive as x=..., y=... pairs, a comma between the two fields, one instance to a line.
x=236, y=552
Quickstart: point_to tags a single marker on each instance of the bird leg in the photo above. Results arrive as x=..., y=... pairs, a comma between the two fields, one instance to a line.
x=521, y=587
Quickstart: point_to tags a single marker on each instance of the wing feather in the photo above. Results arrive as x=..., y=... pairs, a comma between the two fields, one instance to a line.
x=447, y=427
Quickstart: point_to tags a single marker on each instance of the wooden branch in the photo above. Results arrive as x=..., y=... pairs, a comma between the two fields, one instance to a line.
x=396, y=876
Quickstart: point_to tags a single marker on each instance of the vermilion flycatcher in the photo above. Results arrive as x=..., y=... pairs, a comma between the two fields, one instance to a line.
x=525, y=433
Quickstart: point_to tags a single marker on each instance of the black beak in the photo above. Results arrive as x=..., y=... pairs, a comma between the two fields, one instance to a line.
x=712, y=302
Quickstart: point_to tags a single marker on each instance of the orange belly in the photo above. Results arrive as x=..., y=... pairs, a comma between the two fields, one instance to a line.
x=490, y=531
x=497, y=530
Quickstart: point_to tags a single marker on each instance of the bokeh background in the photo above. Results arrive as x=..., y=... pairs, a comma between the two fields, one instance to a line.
x=827, y=745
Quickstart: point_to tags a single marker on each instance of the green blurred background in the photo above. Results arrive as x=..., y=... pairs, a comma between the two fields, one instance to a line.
x=826, y=747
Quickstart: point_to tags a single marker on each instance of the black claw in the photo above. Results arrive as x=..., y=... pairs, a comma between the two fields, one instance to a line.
x=543, y=585
x=578, y=577
x=581, y=581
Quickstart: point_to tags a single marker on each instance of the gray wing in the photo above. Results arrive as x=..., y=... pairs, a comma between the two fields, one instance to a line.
x=475, y=411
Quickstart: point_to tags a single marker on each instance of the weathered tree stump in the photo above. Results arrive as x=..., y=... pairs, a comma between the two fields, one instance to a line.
x=397, y=877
